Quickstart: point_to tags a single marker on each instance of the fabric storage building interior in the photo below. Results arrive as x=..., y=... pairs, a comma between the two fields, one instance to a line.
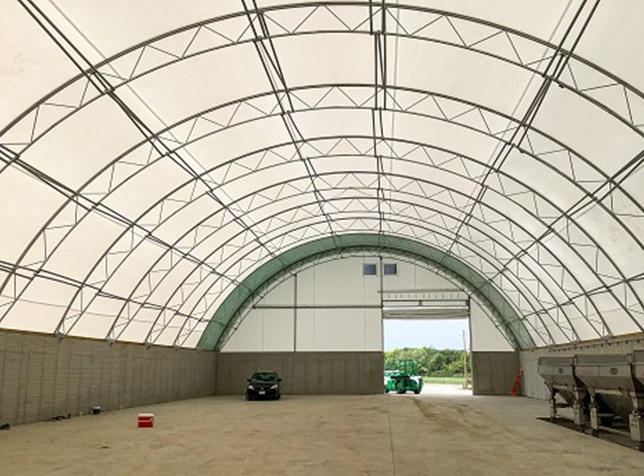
x=191, y=191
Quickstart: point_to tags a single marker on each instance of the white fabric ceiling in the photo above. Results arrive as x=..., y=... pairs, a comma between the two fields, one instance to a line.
x=154, y=153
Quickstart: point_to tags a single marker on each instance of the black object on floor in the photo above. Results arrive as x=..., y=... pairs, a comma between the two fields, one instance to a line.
x=5, y=426
x=62, y=417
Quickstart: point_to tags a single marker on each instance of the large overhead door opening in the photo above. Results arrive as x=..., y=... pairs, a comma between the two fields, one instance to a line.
x=426, y=339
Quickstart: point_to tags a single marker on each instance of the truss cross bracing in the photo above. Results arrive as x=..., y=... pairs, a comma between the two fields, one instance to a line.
x=149, y=170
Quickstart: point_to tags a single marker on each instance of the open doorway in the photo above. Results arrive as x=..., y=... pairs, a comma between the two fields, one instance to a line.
x=426, y=339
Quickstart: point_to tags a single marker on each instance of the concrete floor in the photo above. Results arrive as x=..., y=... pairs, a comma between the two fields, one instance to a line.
x=436, y=433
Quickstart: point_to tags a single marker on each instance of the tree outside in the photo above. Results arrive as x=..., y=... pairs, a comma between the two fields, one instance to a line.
x=432, y=363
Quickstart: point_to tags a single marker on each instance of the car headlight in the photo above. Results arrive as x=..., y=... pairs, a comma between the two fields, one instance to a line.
x=274, y=387
x=250, y=387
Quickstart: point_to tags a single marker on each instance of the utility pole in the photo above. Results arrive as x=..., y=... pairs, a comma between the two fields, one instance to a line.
x=467, y=376
x=295, y=312
x=382, y=303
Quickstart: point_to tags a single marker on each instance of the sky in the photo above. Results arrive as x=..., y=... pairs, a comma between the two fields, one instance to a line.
x=441, y=334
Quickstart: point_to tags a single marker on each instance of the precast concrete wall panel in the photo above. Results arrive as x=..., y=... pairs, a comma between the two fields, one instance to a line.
x=494, y=373
x=304, y=373
x=42, y=377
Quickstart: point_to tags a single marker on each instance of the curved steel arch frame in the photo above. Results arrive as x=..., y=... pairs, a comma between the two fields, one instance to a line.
x=223, y=273
x=387, y=8
x=340, y=10
x=223, y=319
x=459, y=125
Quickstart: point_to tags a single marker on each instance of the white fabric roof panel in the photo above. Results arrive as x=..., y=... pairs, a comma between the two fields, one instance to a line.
x=32, y=66
x=164, y=160
x=622, y=20
x=237, y=72
x=27, y=202
x=119, y=25
x=73, y=159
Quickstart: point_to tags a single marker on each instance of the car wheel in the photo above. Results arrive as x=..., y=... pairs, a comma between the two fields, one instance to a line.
x=386, y=390
x=416, y=392
x=278, y=396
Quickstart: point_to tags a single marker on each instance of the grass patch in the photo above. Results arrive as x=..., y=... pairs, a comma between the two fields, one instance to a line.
x=445, y=380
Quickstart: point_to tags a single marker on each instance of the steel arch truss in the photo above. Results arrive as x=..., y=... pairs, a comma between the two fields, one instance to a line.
x=557, y=274
x=361, y=18
x=225, y=175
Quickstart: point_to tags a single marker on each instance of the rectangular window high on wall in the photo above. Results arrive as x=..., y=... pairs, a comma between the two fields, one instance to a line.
x=390, y=269
x=369, y=270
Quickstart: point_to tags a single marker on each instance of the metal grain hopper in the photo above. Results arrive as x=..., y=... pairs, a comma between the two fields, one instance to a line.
x=599, y=388
x=559, y=374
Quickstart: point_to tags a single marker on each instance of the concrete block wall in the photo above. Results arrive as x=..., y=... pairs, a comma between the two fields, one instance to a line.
x=534, y=386
x=494, y=373
x=42, y=376
x=304, y=373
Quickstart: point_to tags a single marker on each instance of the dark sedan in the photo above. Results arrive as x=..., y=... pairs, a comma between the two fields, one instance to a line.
x=264, y=384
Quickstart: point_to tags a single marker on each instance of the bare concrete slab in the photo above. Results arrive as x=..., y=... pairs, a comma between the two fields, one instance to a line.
x=435, y=433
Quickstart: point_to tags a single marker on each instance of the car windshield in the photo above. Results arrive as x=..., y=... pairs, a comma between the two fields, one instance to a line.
x=264, y=377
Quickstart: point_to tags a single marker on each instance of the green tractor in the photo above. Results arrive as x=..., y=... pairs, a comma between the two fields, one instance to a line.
x=404, y=378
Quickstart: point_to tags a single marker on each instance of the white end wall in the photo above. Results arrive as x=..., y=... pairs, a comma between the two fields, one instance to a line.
x=484, y=334
x=341, y=282
x=338, y=282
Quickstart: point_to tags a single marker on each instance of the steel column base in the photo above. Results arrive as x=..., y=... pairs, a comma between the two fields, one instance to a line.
x=594, y=416
x=636, y=421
